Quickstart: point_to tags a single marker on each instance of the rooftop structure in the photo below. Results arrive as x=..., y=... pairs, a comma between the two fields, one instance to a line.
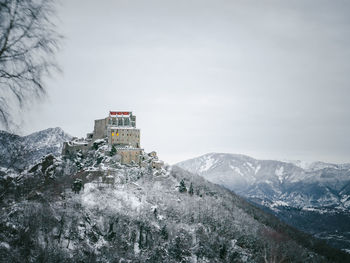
x=122, y=118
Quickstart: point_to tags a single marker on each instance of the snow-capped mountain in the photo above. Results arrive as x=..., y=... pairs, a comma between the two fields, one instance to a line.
x=319, y=185
x=17, y=152
x=313, y=166
x=91, y=208
x=320, y=188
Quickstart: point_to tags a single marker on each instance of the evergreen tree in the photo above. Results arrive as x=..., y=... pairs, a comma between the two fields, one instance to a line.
x=223, y=251
x=77, y=185
x=95, y=146
x=182, y=186
x=113, y=151
x=191, y=189
x=164, y=233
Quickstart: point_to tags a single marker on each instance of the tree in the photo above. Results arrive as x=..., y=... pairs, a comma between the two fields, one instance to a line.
x=113, y=151
x=182, y=186
x=77, y=186
x=28, y=42
x=180, y=246
x=164, y=233
x=191, y=189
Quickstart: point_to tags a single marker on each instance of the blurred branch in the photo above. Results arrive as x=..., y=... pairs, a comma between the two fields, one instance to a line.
x=28, y=44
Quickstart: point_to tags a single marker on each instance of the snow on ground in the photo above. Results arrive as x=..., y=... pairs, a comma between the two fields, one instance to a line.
x=5, y=245
x=346, y=201
x=257, y=169
x=250, y=165
x=301, y=164
x=314, y=209
x=279, y=172
x=347, y=250
x=236, y=169
x=279, y=203
x=209, y=162
x=109, y=198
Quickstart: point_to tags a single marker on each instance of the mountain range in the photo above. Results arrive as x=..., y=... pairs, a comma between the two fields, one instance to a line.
x=313, y=197
x=88, y=207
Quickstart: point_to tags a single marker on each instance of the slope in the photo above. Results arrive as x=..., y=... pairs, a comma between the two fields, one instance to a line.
x=314, y=198
x=18, y=152
x=126, y=213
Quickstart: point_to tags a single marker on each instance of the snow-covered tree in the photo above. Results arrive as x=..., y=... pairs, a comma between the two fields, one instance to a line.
x=190, y=191
x=182, y=186
x=113, y=151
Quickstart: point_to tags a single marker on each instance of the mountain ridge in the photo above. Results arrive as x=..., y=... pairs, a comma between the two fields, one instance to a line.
x=278, y=186
x=18, y=152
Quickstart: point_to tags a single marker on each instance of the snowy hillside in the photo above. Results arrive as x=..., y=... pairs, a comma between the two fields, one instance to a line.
x=313, y=166
x=17, y=152
x=280, y=186
x=90, y=208
x=318, y=186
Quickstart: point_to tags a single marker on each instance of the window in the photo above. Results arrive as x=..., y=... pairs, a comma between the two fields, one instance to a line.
x=126, y=121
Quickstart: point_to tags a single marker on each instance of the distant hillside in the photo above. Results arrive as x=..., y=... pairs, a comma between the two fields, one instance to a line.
x=128, y=213
x=313, y=197
x=17, y=152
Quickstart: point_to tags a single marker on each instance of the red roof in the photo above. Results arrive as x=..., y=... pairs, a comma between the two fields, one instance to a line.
x=119, y=113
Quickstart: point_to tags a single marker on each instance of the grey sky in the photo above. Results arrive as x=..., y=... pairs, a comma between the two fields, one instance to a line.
x=265, y=78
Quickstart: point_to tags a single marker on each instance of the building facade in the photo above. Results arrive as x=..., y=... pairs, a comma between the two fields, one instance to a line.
x=120, y=130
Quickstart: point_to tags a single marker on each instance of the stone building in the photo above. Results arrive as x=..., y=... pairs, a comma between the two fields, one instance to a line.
x=120, y=130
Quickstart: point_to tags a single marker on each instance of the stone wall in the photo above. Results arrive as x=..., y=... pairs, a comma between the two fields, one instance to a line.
x=129, y=155
x=121, y=136
x=70, y=148
x=100, y=130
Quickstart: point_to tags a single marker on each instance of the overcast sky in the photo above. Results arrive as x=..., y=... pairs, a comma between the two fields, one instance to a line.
x=269, y=79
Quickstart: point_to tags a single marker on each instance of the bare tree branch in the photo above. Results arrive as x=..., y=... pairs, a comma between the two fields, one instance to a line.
x=28, y=43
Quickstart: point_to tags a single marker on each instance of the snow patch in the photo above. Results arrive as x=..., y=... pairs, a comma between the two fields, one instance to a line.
x=257, y=169
x=346, y=250
x=136, y=248
x=207, y=165
x=236, y=169
x=109, y=198
x=279, y=203
x=279, y=173
x=250, y=165
x=5, y=245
